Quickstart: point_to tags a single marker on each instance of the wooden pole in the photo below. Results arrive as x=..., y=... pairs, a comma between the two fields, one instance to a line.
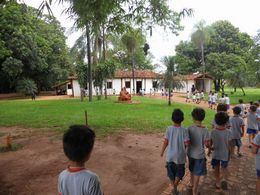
x=86, y=117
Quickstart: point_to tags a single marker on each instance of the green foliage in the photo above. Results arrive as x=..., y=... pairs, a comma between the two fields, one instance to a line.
x=227, y=51
x=105, y=116
x=26, y=87
x=30, y=47
x=104, y=71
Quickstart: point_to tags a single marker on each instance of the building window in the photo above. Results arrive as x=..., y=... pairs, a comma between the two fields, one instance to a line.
x=127, y=84
x=109, y=85
x=69, y=86
x=155, y=84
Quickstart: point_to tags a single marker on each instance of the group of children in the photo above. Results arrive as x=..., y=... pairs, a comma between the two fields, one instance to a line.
x=78, y=142
x=191, y=142
x=196, y=96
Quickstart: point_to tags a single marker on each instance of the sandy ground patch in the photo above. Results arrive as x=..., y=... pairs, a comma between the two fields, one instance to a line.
x=127, y=163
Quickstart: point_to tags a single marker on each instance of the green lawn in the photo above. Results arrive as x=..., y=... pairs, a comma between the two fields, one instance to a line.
x=252, y=94
x=105, y=116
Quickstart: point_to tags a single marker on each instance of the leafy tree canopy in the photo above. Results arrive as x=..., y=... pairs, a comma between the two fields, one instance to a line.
x=30, y=47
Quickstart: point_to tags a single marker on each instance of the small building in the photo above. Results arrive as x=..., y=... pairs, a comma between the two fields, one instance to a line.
x=195, y=79
x=144, y=80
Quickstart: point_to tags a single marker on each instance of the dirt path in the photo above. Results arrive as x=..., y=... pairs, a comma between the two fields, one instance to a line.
x=127, y=164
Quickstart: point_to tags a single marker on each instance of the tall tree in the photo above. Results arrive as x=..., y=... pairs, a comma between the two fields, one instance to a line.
x=169, y=80
x=32, y=47
x=201, y=37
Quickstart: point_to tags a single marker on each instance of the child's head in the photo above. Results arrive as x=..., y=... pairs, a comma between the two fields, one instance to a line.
x=221, y=118
x=226, y=95
x=198, y=114
x=253, y=108
x=240, y=101
x=222, y=107
x=251, y=103
x=78, y=143
x=236, y=110
x=177, y=116
x=256, y=104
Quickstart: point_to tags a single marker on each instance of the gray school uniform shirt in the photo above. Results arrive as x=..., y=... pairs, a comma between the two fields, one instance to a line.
x=256, y=142
x=220, y=139
x=236, y=123
x=198, y=136
x=252, y=122
x=177, y=137
x=82, y=182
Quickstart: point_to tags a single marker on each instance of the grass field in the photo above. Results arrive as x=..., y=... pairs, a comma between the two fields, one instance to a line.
x=252, y=94
x=105, y=116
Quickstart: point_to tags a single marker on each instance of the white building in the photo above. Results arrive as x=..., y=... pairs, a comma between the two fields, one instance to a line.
x=145, y=80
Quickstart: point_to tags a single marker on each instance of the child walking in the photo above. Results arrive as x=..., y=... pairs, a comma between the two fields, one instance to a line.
x=176, y=140
x=199, y=137
x=256, y=150
x=221, y=140
x=237, y=129
x=252, y=124
x=78, y=142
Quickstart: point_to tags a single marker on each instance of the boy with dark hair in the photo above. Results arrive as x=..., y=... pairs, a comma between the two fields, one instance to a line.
x=176, y=139
x=221, y=140
x=252, y=124
x=256, y=150
x=199, y=137
x=243, y=107
x=78, y=142
x=237, y=129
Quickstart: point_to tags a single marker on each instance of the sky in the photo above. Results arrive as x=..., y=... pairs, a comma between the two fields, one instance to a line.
x=244, y=15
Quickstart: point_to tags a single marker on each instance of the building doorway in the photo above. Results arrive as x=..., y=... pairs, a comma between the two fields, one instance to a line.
x=138, y=86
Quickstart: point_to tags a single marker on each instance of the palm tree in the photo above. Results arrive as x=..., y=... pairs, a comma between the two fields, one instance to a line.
x=201, y=37
x=169, y=78
x=130, y=42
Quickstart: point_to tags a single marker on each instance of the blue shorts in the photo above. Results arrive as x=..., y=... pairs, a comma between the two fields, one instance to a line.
x=198, y=167
x=251, y=131
x=215, y=162
x=237, y=142
x=175, y=170
x=209, y=102
x=258, y=173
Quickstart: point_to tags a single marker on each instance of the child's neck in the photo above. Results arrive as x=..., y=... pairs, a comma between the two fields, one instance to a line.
x=176, y=124
x=77, y=164
x=198, y=123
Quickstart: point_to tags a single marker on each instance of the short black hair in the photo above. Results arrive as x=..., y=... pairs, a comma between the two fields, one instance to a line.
x=177, y=116
x=221, y=118
x=237, y=110
x=256, y=104
x=253, y=108
x=222, y=107
x=198, y=114
x=240, y=101
x=78, y=142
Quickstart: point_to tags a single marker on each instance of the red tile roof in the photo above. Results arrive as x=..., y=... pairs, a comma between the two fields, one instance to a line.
x=192, y=77
x=147, y=74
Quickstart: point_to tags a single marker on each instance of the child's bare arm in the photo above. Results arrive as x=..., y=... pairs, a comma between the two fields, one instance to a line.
x=165, y=144
x=254, y=149
x=243, y=130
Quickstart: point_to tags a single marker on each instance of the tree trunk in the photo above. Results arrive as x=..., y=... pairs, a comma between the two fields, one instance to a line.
x=104, y=55
x=89, y=63
x=169, y=100
x=243, y=91
x=133, y=73
x=235, y=89
x=203, y=65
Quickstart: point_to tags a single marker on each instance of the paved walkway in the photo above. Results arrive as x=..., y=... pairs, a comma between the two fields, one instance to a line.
x=242, y=174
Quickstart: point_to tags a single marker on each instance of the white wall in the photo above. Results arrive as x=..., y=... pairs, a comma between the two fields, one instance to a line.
x=76, y=88
x=147, y=84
